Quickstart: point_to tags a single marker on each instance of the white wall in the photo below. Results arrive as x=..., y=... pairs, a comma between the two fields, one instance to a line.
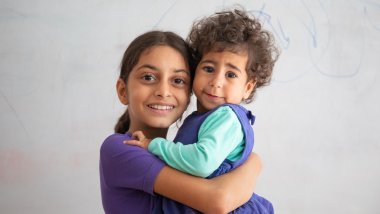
x=316, y=126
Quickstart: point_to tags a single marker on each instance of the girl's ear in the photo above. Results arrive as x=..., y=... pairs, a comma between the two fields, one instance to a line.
x=121, y=89
x=249, y=86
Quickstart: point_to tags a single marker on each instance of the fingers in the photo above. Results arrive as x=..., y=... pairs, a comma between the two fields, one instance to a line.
x=133, y=142
x=139, y=135
x=139, y=140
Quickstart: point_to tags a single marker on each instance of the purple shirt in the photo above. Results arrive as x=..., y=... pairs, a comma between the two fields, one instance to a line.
x=127, y=176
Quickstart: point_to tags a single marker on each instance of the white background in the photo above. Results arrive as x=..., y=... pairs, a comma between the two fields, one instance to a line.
x=316, y=126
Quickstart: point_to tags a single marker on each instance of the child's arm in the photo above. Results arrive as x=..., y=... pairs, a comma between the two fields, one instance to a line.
x=218, y=195
x=219, y=135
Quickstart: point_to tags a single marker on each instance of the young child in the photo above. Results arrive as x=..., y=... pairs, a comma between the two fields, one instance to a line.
x=235, y=57
x=154, y=82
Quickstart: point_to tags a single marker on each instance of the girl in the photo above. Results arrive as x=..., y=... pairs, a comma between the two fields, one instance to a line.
x=236, y=57
x=155, y=83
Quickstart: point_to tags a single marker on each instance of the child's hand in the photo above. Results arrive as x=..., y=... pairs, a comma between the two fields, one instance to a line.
x=141, y=140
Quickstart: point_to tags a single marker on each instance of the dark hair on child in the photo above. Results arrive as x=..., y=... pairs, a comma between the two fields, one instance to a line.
x=132, y=56
x=238, y=32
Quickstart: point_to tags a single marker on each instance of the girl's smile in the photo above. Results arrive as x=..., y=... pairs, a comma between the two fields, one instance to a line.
x=161, y=109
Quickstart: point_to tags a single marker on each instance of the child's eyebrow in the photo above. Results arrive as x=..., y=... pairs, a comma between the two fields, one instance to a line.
x=233, y=66
x=228, y=64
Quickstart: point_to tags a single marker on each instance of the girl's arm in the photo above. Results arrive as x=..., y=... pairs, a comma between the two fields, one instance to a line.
x=218, y=195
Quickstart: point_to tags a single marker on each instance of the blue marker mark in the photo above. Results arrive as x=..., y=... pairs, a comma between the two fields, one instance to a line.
x=16, y=116
x=373, y=23
x=284, y=40
x=312, y=28
x=165, y=13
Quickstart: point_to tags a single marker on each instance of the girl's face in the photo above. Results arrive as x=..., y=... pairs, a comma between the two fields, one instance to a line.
x=158, y=89
x=221, y=78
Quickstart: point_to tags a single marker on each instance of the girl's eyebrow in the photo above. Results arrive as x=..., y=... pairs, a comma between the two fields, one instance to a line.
x=228, y=64
x=152, y=67
x=182, y=70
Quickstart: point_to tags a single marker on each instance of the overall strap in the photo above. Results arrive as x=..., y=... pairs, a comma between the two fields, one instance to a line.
x=246, y=120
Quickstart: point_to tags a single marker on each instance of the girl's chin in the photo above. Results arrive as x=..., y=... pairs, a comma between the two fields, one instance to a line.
x=163, y=125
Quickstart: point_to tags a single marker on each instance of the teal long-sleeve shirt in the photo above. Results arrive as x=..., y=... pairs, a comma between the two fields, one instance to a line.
x=220, y=136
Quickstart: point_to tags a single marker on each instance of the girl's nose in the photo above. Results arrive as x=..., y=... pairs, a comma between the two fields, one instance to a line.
x=163, y=90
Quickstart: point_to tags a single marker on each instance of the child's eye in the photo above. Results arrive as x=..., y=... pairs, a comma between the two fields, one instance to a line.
x=231, y=75
x=208, y=69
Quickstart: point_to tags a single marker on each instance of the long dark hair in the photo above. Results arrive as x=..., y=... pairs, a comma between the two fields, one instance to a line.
x=133, y=53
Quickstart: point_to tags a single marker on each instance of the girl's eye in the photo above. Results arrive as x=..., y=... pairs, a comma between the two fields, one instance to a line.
x=231, y=75
x=148, y=77
x=179, y=81
x=208, y=69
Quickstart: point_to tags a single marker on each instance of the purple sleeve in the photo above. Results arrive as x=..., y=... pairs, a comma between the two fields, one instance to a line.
x=128, y=166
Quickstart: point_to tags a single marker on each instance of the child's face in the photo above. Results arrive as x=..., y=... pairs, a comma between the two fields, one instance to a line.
x=221, y=78
x=158, y=89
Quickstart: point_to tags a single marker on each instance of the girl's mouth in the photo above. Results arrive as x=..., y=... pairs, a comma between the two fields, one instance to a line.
x=161, y=107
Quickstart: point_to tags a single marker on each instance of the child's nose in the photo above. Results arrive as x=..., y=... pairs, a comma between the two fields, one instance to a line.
x=217, y=81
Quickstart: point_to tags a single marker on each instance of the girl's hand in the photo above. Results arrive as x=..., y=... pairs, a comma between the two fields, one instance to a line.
x=140, y=140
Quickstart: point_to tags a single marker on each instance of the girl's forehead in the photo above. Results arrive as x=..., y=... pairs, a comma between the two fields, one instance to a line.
x=162, y=59
x=160, y=51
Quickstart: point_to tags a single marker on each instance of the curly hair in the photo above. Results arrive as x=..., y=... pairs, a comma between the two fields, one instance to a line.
x=238, y=32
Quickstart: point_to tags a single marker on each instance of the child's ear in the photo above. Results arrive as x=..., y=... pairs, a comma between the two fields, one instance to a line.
x=249, y=86
x=121, y=89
